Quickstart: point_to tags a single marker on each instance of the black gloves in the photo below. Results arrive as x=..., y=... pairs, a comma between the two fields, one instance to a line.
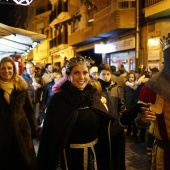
x=129, y=115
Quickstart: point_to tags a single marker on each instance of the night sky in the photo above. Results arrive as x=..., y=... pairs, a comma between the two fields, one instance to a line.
x=7, y=9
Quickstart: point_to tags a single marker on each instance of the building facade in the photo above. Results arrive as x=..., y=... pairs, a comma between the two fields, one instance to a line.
x=156, y=25
x=74, y=28
x=131, y=28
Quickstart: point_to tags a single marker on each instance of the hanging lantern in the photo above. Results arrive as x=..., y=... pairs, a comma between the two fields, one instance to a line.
x=23, y=2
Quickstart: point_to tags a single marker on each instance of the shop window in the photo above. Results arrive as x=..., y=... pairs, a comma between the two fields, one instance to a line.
x=126, y=58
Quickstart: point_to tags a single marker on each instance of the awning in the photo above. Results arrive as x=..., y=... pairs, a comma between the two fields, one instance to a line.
x=17, y=41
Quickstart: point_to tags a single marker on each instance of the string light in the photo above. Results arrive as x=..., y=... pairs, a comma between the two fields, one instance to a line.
x=23, y=2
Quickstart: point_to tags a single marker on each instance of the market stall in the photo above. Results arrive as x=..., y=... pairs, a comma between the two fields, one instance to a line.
x=18, y=41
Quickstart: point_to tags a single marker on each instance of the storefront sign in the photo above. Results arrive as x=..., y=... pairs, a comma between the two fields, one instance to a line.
x=115, y=46
x=124, y=44
x=154, y=55
x=104, y=48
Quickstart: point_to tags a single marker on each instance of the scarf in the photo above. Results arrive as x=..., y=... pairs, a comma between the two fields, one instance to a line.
x=107, y=85
x=8, y=88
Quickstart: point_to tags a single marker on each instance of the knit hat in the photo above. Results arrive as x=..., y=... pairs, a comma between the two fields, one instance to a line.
x=93, y=70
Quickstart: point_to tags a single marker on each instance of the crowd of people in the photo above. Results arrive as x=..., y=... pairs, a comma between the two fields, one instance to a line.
x=88, y=111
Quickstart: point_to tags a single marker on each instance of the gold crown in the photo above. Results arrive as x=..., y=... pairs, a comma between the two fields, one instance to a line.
x=165, y=42
x=78, y=60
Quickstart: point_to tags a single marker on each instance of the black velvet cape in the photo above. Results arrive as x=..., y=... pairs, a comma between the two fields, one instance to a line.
x=58, y=124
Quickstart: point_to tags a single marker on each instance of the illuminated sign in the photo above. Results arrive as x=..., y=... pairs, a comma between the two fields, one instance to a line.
x=103, y=48
x=154, y=43
x=125, y=44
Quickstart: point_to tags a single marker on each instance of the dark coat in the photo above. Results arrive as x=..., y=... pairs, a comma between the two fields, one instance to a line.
x=59, y=121
x=116, y=106
x=114, y=96
x=47, y=93
x=129, y=96
x=34, y=94
x=17, y=129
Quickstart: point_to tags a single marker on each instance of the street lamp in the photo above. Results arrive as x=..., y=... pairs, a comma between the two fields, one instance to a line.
x=23, y=2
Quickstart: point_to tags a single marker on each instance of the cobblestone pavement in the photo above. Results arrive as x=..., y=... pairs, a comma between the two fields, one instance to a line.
x=136, y=158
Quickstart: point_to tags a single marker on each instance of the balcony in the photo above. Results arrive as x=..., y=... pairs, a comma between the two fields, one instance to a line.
x=151, y=2
x=59, y=14
x=157, y=8
x=43, y=11
x=59, y=42
x=112, y=21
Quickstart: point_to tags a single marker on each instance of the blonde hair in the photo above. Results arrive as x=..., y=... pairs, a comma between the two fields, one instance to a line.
x=96, y=84
x=16, y=79
x=8, y=59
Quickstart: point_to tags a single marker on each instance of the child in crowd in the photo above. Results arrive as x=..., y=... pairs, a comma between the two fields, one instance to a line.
x=94, y=73
x=129, y=90
x=57, y=85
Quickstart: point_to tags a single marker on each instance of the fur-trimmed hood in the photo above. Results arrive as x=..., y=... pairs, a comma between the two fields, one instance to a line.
x=20, y=83
x=79, y=98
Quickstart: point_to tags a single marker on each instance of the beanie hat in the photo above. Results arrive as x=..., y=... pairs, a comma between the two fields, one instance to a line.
x=93, y=69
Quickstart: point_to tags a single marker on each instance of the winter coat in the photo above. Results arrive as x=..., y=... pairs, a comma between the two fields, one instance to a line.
x=129, y=95
x=118, y=79
x=47, y=93
x=48, y=77
x=18, y=127
x=114, y=97
x=34, y=94
x=115, y=103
